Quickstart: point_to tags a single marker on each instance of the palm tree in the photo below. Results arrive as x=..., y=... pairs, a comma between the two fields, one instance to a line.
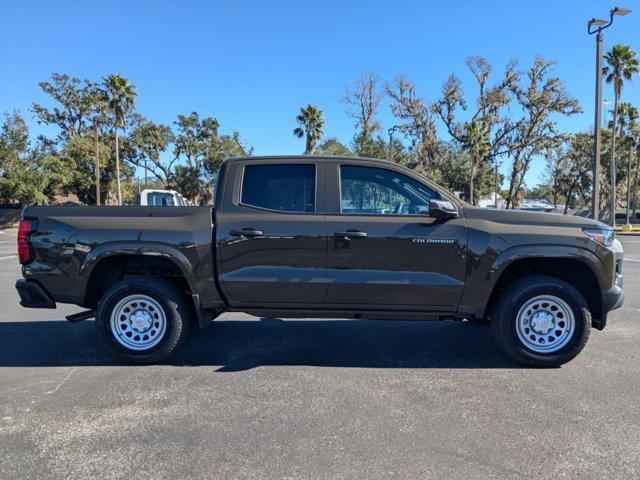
x=476, y=143
x=627, y=116
x=121, y=95
x=628, y=123
x=311, y=121
x=622, y=64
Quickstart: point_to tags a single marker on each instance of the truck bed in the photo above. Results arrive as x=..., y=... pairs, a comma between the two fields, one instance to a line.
x=71, y=241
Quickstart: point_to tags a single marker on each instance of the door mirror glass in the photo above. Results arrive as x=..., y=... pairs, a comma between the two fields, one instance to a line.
x=442, y=209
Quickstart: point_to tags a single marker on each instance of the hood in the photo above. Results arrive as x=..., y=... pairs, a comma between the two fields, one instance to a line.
x=523, y=217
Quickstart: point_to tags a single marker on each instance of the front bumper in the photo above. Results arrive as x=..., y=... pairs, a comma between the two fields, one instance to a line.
x=614, y=298
x=32, y=295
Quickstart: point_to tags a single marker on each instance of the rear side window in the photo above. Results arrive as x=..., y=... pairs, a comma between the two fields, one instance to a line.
x=286, y=188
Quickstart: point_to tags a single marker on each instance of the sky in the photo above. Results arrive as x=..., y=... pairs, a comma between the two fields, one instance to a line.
x=253, y=64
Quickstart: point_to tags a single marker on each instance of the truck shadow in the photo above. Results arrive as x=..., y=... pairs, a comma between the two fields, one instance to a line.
x=237, y=345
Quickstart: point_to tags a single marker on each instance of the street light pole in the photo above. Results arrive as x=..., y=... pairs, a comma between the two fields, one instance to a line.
x=596, y=25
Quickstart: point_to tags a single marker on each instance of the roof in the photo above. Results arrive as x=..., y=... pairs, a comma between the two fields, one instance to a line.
x=308, y=157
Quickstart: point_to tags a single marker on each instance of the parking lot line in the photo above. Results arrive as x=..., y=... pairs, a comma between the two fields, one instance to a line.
x=8, y=256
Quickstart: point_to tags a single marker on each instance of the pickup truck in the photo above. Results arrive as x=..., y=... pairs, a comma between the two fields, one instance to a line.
x=326, y=237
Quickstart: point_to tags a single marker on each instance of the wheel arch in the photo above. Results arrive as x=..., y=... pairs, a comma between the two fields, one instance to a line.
x=109, y=262
x=580, y=269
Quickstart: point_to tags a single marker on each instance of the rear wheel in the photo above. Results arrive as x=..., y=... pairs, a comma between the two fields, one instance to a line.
x=142, y=320
x=541, y=321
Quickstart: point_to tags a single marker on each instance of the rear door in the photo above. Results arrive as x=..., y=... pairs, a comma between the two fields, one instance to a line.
x=384, y=249
x=271, y=234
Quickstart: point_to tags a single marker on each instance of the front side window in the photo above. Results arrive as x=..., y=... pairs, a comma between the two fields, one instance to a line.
x=378, y=191
x=286, y=188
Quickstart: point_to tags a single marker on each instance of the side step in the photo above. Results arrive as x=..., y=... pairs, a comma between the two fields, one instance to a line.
x=78, y=317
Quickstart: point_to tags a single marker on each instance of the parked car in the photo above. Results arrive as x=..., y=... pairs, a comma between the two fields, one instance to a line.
x=323, y=237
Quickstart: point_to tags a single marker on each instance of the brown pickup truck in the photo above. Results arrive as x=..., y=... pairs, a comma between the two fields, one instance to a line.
x=323, y=237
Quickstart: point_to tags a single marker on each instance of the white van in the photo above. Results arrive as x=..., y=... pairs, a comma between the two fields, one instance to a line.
x=162, y=198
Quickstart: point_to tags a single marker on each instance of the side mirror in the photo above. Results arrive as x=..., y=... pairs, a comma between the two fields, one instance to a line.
x=442, y=209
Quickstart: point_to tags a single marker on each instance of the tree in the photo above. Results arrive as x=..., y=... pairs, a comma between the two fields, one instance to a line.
x=535, y=132
x=148, y=141
x=487, y=131
x=198, y=143
x=362, y=100
x=622, y=64
x=629, y=126
x=416, y=118
x=452, y=167
x=27, y=175
x=224, y=147
x=121, y=95
x=568, y=173
x=79, y=101
x=76, y=102
x=333, y=147
x=311, y=124
x=475, y=141
x=187, y=181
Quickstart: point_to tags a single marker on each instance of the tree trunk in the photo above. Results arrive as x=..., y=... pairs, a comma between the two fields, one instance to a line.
x=568, y=198
x=629, y=183
x=635, y=183
x=471, y=180
x=512, y=183
x=308, y=150
x=612, y=206
x=495, y=187
x=118, y=168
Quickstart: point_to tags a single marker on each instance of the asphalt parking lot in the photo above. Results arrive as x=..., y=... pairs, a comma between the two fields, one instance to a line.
x=265, y=398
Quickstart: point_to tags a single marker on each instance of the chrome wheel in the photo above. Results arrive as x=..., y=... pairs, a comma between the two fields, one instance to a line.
x=138, y=322
x=545, y=324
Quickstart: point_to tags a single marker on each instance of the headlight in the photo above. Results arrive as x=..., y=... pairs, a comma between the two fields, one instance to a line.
x=603, y=235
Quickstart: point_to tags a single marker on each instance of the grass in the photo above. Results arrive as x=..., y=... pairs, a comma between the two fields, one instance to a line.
x=627, y=229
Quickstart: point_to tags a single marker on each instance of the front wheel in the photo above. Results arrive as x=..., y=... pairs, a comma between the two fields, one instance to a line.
x=541, y=321
x=142, y=320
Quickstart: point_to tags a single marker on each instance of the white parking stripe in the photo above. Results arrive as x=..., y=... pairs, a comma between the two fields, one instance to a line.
x=8, y=256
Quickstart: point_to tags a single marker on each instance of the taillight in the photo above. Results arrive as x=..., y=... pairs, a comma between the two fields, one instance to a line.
x=25, y=250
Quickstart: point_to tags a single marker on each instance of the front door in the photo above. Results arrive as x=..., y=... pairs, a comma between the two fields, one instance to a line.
x=271, y=233
x=384, y=249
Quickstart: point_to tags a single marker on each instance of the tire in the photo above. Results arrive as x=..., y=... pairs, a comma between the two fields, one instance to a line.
x=541, y=321
x=142, y=320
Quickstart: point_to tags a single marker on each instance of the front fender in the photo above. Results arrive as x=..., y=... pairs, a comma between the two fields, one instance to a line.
x=485, y=271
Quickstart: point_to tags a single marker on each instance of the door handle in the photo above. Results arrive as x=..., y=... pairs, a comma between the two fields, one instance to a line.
x=350, y=234
x=246, y=232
